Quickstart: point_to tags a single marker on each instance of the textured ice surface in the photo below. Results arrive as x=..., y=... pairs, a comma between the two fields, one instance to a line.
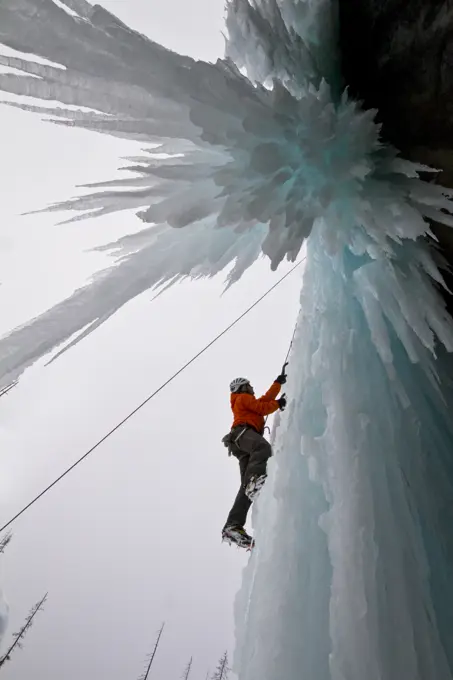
x=351, y=574
x=259, y=149
x=351, y=577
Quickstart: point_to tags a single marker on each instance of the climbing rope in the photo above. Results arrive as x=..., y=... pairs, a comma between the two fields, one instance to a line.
x=148, y=399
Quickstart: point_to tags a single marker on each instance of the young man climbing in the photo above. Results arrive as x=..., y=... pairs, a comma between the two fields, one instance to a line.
x=247, y=444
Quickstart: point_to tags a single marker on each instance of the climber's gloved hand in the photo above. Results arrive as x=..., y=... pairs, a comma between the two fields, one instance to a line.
x=281, y=379
x=282, y=402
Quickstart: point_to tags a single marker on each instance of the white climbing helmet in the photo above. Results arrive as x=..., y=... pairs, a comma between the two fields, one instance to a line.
x=237, y=383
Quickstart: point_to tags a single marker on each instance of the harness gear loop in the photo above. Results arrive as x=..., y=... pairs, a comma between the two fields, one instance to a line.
x=229, y=439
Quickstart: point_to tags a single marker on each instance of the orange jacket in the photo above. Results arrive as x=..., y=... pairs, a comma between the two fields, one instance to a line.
x=248, y=410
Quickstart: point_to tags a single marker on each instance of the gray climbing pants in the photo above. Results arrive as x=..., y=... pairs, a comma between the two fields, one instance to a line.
x=252, y=451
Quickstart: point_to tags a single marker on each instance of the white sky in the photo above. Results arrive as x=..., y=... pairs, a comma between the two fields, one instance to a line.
x=132, y=537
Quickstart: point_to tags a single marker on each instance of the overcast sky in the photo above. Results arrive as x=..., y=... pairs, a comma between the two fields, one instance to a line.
x=132, y=536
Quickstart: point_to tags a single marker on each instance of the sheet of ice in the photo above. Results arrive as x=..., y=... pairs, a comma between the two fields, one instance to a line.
x=351, y=574
x=238, y=164
x=351, y=578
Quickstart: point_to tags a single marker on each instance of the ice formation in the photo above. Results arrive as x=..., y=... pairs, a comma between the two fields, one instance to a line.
x=252, y=155
x=351, y=575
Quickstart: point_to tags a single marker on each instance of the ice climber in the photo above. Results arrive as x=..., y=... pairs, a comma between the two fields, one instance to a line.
x=245, y=441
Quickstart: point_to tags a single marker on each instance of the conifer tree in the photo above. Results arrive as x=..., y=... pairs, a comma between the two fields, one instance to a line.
x=146, y=672
x=4, y=541
x=19, y=636
x=222, y=671
x=185, y=675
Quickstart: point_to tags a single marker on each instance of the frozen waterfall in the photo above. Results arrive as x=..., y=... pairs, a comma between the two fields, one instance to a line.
x=351, y=577
x=351, y=574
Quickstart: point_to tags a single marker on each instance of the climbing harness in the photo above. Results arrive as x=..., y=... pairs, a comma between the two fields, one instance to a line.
x=151, y=396
x=229, y=439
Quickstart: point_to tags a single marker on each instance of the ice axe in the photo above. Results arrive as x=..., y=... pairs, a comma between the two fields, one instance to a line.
x=281, y=378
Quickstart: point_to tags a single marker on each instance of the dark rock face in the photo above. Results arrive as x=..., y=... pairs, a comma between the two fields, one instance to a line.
x=397, y=57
